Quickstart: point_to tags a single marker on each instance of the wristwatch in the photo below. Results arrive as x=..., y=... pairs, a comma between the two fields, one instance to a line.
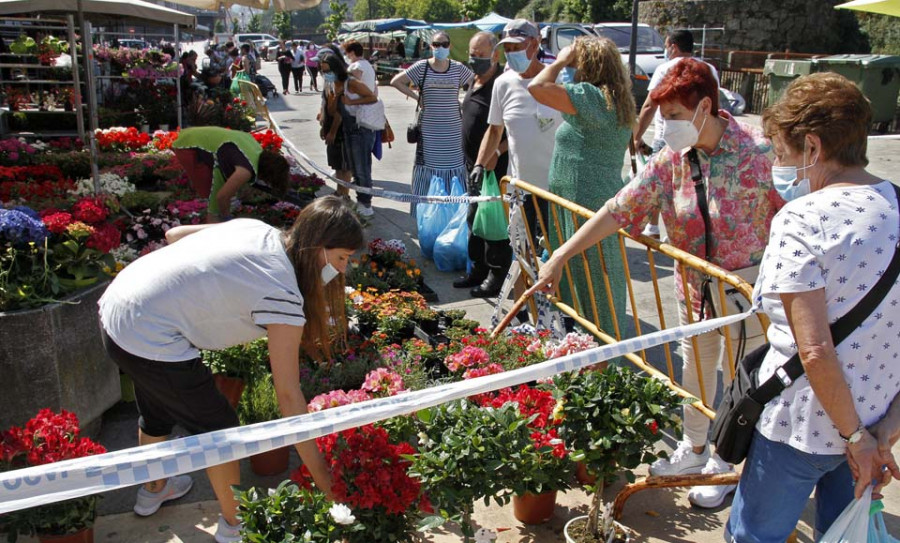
x=855, y=436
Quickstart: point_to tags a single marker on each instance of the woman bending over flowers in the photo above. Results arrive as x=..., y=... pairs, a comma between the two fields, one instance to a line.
x=220, y=161
x=213, y=287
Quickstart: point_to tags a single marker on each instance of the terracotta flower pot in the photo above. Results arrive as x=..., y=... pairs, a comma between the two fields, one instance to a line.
x=534, y=508
x=582, y=475
x=83, y=536
x=230, y=387
x=271, y=462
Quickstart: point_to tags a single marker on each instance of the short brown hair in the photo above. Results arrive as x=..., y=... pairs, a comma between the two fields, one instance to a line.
x=353, y=46
x=275, y=171
x=828, y=105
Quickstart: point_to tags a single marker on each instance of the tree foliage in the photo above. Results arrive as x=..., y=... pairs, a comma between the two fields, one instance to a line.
x=281, y=22
x=471, y=10
x=255, y=24
x=308, y=19
x=429, y=10
x=219, y=27
x=334, y=20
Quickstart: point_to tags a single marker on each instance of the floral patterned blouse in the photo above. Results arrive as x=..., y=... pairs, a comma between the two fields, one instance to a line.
x=742, y=201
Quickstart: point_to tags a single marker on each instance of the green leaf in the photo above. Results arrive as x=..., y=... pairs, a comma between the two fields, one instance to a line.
x=430, y=522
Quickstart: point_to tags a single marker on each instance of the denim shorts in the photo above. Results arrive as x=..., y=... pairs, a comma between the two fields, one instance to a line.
x=776, y=482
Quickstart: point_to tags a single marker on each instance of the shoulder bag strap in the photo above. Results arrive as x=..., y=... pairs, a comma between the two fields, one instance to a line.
x=840, y=330
x=703, y=204
x=422, y=88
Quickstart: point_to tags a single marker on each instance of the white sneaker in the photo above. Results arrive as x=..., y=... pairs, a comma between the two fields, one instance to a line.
x=681, y=462
x=711, y=496
x=364, y=210
x=149, y=502
x=651, y=231
x=226, y=533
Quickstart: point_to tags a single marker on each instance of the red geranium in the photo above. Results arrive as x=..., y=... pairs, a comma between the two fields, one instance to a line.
x=369, y=472
x=269, y=140
x=48, y=437
x=105, y=238
x=56, y=221
x=90, y=209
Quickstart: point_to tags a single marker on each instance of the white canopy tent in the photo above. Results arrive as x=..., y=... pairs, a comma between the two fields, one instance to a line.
x=101, y=10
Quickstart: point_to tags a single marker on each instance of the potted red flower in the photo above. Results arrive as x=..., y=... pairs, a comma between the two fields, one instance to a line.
x=50, y=437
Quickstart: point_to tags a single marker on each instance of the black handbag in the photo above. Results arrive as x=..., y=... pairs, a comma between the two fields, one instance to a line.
x=743, y=401
x=414, y=129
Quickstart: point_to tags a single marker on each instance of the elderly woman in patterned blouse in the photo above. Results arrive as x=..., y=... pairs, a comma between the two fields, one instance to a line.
x=828, y=246
x=735, y=161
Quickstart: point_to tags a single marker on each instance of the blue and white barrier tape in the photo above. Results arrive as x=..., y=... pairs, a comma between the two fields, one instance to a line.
x=41, y=485
x=380, y=192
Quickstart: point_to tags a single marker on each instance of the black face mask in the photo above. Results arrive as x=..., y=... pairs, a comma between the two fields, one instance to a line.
x=480, y=65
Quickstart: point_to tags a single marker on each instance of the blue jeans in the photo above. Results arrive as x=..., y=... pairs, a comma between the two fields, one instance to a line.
x=359, y=142
x=776, y=482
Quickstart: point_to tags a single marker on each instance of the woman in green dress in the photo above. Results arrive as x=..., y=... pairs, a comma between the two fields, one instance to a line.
x=219, y=161
x=595, y=99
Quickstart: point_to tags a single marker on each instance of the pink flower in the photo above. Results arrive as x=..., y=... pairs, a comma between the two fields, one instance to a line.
x=468, y=357
x=490, y=369
x=571, y=344
x=383, y=382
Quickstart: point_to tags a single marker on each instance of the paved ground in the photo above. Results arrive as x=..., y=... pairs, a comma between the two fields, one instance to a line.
x=657, y=515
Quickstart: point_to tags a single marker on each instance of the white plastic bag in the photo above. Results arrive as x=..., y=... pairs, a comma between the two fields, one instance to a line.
x=852, y=526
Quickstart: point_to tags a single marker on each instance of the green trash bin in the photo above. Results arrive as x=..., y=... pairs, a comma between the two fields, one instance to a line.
x=878, y=76
x=781, y=72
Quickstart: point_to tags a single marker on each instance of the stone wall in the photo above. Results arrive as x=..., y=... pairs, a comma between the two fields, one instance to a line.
x=54, y=357
x=805, y=26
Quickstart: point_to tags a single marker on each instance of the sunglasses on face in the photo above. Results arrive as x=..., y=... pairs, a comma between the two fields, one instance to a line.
x=440, y=44
x=516, y=33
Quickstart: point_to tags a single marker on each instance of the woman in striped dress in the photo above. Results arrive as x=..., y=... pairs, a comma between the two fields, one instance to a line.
x=439, y=151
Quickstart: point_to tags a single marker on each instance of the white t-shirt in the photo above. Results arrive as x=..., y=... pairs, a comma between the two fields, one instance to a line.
x=213, y=289
x=530, y=128
x=367, y=74
x=657, y=78
x=840, y=239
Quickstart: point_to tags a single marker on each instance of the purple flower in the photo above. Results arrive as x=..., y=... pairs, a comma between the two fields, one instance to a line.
x=19, y=227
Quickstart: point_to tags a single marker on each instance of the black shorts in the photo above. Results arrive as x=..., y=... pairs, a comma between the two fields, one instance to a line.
x=167, y=393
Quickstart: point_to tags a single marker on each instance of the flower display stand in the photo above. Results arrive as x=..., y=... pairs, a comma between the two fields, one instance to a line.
x=53, y=357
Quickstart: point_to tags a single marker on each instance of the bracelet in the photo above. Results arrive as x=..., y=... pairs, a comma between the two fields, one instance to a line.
x=855, y=436
x=498, y=152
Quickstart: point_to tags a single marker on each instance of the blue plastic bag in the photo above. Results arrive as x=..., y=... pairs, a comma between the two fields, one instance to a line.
x=451, y=250
x=877, y=530
x=431, y=219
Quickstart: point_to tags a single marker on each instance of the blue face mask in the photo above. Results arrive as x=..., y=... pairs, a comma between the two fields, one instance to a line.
x=567, y=75
x=518, y=61
x=329, y=77
x=441, y=53
x=785, y=180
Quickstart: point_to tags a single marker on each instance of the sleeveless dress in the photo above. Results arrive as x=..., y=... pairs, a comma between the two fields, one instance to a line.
x=587, y=169
x=440, y=151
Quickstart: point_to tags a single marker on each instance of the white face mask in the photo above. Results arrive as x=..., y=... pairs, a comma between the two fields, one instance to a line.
x=785, y=179
x=329, y=272
x=680, y=135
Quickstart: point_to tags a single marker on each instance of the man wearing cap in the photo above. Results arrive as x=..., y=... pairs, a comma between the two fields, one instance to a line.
x=530, y=126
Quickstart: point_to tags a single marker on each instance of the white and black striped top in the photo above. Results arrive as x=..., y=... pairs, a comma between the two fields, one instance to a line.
x=441, y=120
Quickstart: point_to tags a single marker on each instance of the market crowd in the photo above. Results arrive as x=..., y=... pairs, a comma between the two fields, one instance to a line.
x=790, y=207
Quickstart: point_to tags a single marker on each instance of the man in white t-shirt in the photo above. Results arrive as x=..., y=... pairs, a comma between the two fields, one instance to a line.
x=679, y=45
x=530, y=126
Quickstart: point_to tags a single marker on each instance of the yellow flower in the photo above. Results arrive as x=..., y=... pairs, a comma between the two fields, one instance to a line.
x=557, y=413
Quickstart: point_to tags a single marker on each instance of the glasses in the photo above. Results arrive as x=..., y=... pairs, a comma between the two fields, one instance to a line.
x=440, y=44
x=517, y=32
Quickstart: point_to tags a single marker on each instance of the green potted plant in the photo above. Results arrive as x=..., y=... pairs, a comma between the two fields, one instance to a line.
x=290, y=513
x=540, y=467
x=234, y=367
x=611, y=420
x=465, y=455
x=49, y=437
x=259, y=404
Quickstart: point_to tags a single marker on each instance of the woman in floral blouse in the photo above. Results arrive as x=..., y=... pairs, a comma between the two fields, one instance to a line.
x=735, y=161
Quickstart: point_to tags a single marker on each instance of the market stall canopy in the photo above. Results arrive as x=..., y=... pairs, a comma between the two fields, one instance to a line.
x=279, y=5
x=492, y=22
x=884, y=7
x=99, y=9
x=380, y=25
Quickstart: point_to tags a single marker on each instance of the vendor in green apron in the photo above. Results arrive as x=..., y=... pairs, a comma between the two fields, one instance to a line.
x=218, y=161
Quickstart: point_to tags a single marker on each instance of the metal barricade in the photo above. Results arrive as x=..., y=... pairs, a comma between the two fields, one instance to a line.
x=661, y=367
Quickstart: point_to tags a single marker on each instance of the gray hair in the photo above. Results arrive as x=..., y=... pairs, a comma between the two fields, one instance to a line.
x=491, y=37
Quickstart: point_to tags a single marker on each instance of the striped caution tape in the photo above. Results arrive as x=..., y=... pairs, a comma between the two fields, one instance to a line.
x=41, y=485
x=405, y=197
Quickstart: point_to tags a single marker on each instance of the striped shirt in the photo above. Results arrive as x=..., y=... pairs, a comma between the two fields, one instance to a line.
x=216, y=288
x=441, y=120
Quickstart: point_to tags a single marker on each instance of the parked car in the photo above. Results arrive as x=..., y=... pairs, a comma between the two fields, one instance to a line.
x=241, y=38
x=133, y=43
x=562, y=35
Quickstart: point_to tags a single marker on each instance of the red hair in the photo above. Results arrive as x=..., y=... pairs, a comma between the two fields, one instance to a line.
x=688, y=82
